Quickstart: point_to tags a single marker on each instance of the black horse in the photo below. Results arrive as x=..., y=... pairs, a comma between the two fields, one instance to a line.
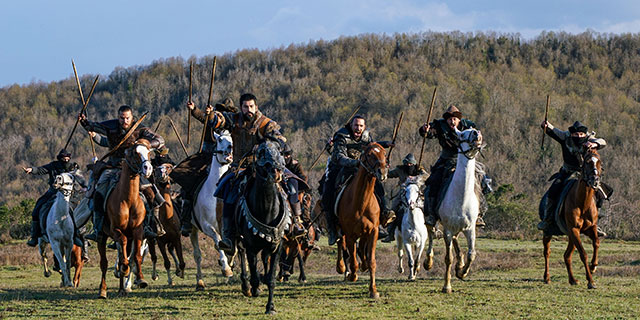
x=263, y=216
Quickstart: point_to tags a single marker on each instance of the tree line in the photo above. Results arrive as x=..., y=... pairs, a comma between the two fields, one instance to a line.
x=499, y=81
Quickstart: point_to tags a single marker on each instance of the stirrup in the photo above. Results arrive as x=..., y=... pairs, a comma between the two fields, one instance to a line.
x=32, y=242
x=227, y=246
x=431, y=221
x=389, y=238
x=543, y=225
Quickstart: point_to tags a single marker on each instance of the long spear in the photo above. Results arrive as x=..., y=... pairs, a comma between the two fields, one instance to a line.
x=395, y=135
x=206, y=118
x=544, y=130
x=190, y=101
x=158, y=125
x=328, y=144
x=424, y=139
x=75, y=72
x=178, y=135
x=84, y=106
x=126, y=136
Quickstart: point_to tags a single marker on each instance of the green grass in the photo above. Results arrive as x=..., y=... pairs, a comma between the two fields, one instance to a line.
x=505, y=282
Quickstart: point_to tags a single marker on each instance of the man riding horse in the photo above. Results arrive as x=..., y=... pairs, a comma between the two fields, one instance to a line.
x=408, y=168
x=248, y=128
x=348, y=143
x=574, y=143
x=54, y=168
x=194, y=169
x=115, y=131
x=444, y=130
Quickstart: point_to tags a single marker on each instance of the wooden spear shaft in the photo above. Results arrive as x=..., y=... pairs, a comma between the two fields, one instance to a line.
x=173, y=126
x=190, y=101
x=395, y=135
x=75, y=72
x=206, y=118
x=84, y=107
x=544, y=130
x=424, y=139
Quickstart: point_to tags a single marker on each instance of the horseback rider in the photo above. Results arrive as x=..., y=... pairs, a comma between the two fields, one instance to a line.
x=115, y=130
x=574, y=143
x=54, y=168
x=194, y=169
x=348, y=143
x=248, y=128
x=444, y=130
x=408, y=168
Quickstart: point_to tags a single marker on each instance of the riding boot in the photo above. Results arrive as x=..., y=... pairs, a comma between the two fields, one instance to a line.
x=85, y=251
x=298, y=228
x=158, y=199
x=146, y=224
x=432, y=218
x=547, y=220
x=98, y=218
x=185, y=219
x=391, y=230
x=35, y=234
x=332, y=228
x=227, y=244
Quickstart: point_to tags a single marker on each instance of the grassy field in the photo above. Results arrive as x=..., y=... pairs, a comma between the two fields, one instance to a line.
x=505, y=282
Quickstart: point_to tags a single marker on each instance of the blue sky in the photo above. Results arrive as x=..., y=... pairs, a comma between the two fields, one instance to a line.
x=38, y=38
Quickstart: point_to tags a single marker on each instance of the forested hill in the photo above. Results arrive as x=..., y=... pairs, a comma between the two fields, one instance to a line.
x=497, y=80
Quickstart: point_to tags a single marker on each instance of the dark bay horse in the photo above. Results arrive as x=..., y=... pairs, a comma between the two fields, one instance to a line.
x=263, y=216
x=125, y=214
x=171, y=223
x=296, y=248
x=580, y=214
x=359, y=215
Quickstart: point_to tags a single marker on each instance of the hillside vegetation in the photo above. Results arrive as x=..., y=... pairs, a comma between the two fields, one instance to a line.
x=498, y=80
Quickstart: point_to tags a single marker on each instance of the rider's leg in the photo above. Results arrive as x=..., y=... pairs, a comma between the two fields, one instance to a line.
x=551, y=203
x=328, y=200
x=387, y=215
x=185, y=218
x=36, y=232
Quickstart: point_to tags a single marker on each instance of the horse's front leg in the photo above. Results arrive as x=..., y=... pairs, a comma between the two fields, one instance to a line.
x=102, y=251
x=595, y=241
x=340, y=266
x=371, y=259
x=410, y=261
x=123, y=260
x=575, y=236
x=471, y=253
x=165, y=258
x=243, y=273
x=302, y=278
x=546, y=252
x=252, y=259
x=448, y=239
x=459, y=255
x=137, y=243
x=428, y=261
x=270, y=279
x=350, y=244
x=400, y=245
x=567, y=260
x=180, y=265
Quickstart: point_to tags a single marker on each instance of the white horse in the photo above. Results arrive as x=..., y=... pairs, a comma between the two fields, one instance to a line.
x=460, y=206
x=413, y=234
x=60, y=229
x=205, y=209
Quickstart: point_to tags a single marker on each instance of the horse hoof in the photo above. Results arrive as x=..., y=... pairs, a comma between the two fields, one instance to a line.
x=200, y=285
x=255, y=292
x=352, y=277
x=246, y=292
x=180, y=273
x=593, y=269
x=446, y=290
x=227, y=272
x=460, y=275
x=143, y=284
x=374, y=295
x=154, y=277
x=547, y=281
x=573, y=282
x=400, y=270
x=103, y=294
x=591, y=286
x=271, y=312
x=122, y=293
x=412, y=278
x=47, y=274
x=128, y=290
x=428, y=263
x=302, y=280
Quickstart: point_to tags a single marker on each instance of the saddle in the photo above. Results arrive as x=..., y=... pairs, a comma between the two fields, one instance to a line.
x=558, y=227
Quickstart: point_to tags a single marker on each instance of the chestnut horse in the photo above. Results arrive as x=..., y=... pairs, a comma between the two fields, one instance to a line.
x=359, y=216
x=125, y=214
x=581, y=216
x=171, y=224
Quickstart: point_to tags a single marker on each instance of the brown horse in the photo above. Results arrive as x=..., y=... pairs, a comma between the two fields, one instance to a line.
x=581, y=216
x=296, y=248
x=125, y=214
x=171, y=223
x=359, y=215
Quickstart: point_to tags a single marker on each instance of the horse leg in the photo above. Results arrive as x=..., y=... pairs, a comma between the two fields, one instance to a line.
x=43, y=257
x=353, y=259
x=595, y=241
x=78, y=264
x=567, y=260
x=361, y=248
x=102, y=252
x=180, y=265
x=410, y=261
x=57, y=252
x=459, y=258
x=154, y=258
x=243, y=273
x=302, y=278
x=167, y=263
x=448, y=239
x=371, y=259
x=67, y=260
x=419, y=250
x=197, y=257
x=255, y=277
x=270, y=279
x=546, y=252
x=400, y=246
x=428, y=261
x=471, y=252
x=575, y=234
x=123, y=261
x=137, y=243
x=340, y=267
x=224, y=260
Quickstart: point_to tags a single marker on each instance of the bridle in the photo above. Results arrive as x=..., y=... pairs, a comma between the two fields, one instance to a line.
x=371, y=169
x=472, y=148
x=137, y=164
x=590, y=173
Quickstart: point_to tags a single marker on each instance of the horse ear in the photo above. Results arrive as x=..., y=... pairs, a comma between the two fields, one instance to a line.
x=216, y=135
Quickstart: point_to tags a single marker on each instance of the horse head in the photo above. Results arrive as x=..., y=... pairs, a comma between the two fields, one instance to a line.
x=412, y=193
x=137, y=158
x=224, y=147
x=469, y=142
x=269, y=163
x=162, y=172
x=373, y=159
x=64, y=183
x=592, y=168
